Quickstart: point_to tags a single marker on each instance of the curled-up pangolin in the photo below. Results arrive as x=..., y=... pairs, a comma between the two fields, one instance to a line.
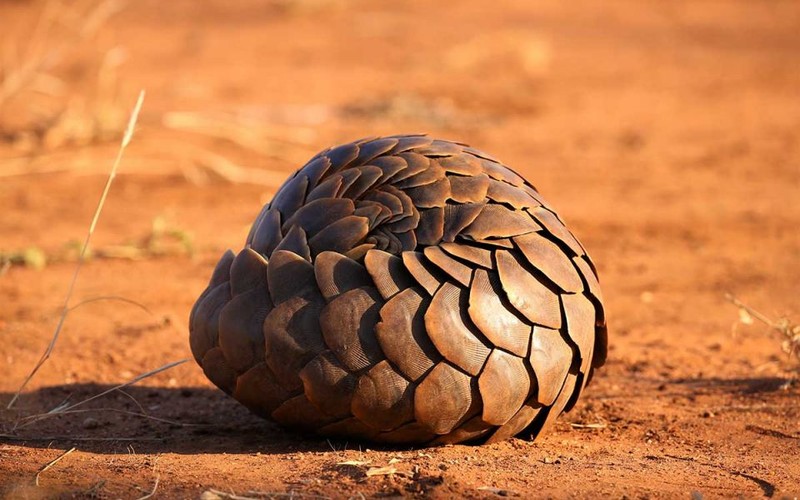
x=404, y=290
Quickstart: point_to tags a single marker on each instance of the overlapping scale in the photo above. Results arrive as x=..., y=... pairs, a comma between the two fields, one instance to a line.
x=340, y=236
x=457, y=217
x=319, y=214
x=550, y=222
x=551, y=359
x=470, y=430
x=469, y=189
x=241, y=323
x=328, y=384
x=518, y=423
x=291, y=195
x=503, y=192
x=411, y=433
x=348, y=327
x=447, y=326
x=404, y=290
x=384, y=399
x=296, y=242
x=488, y=312
x=437, y=412
x=288, y=276
x=470, y=253
x=504, y=384
x=302, y=414
x=218, y=371
x=258, y=390
x=402, y=334
x=337, y=274
x=498, y=221
x=456, y=270
x=545, y=256
x=267, y=233
x=292, y=337
x=248, y=270
x=205, y=320
x=580, y=314
x=526, y=293
x=422, y=271
x=388, y=272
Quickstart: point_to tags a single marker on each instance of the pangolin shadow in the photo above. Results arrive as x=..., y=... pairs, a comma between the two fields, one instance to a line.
x=196, y=420
x=184, y=420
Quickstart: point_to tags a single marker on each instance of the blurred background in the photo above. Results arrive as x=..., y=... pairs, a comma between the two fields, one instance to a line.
x=666, y=133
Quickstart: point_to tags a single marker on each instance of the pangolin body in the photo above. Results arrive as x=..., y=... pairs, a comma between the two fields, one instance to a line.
x=404, y=290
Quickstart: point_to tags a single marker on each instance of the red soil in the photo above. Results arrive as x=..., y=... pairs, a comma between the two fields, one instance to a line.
x=666, y=133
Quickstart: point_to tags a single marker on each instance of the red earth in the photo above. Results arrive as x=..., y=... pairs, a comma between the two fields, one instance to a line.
x=667, y=134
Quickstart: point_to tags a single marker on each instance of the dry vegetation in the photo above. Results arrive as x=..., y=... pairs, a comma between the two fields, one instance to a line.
x=789, y=332
x=65, y=408
x=39, y=111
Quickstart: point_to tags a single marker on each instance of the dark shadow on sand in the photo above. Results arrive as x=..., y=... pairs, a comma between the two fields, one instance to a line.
x=198, y=420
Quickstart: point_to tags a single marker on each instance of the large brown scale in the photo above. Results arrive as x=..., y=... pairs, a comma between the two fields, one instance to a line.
x=404, y=290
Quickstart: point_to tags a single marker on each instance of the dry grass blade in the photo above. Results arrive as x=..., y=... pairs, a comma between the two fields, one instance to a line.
x=247, y=133
x=152, y=492
x=63, y=161
x=117, y=410
x=382, y=471
x=52, y=463
x=238, y=174
x=289, y=494
x=114, y=298
x=212, y=494
x=790, y=331
x=588, y=426
x=354, y=463
x=64, y=408
x=126, y=139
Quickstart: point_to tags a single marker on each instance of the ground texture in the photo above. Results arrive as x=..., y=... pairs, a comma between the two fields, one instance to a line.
x=667, y=134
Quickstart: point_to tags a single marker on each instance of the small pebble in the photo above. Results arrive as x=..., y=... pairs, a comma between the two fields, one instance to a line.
x=90, y=423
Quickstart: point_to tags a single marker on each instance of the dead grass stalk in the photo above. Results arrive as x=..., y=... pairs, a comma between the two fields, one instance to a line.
x=788, y=330
x=126, y=139
x=66, y=408
x=51, y=463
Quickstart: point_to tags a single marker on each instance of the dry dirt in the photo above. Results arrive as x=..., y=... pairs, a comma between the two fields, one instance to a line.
x=666, y=133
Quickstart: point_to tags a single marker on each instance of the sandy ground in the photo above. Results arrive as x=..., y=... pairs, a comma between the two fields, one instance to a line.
x=666, y=133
